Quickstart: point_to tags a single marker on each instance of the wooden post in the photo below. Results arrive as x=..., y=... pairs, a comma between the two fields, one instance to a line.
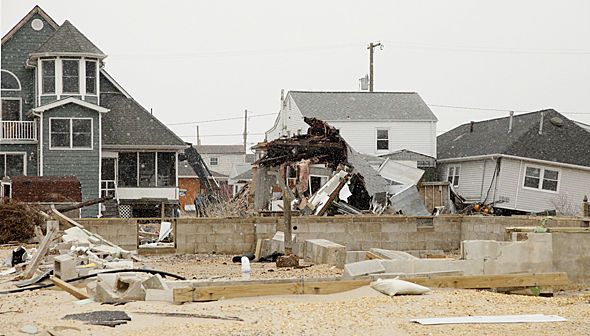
x=585, y=211
x=287, y=217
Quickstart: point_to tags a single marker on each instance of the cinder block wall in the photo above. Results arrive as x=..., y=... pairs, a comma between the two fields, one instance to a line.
x=238, y=235
x=572, y=258
x=120, y=231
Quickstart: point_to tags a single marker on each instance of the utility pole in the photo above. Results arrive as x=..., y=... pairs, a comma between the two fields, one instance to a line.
x=371, y=48
x=198, y=137
x=245, y=130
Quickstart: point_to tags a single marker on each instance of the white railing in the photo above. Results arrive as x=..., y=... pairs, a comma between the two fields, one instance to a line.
x=18, y=131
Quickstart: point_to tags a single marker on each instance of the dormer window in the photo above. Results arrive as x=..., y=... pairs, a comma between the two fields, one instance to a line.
x=91, y=77
x=71, y=76
x=48, y=70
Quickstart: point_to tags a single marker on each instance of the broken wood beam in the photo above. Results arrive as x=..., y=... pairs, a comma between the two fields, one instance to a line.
x=42, y=249
x=83, y=204
x=77, y=293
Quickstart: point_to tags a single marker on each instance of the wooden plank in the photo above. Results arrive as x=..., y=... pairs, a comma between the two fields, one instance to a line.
x=42, y=249
x=77, y=293
x=212, y=291
x=494, y=281
x=370, y=255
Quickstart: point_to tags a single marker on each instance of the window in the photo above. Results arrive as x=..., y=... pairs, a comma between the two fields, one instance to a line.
x=382, y=139
x=12, y=165
x=453, y=175
x=11, y=109
x=90, y=77
x=166, y=169
x=147, y=169
x=541, y=178
x=48, y=73
x=214, y=161
x=70, y=76
x=127, y=170
x=70, y=133
x=9, y=82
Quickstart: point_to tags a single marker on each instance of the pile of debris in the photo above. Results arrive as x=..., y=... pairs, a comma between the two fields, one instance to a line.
x=325, y=176
x=18, y=221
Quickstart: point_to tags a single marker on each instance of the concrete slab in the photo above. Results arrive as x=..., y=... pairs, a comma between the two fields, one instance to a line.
x=354, y=256
x=165, y=295
x=322, y=251
x=361, y=268
x=391, y=254
x=155, y=282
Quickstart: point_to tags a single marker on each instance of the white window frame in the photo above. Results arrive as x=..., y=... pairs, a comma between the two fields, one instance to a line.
x=137, y=170
x=51, y=147
x=377, y=139
x=80, y=75
x=24, y=155
x=455, y=176
x=20, y=107
x=216, y=161
x=15, y=77
x=55, y=75
x=86, y=93
x=541, y=178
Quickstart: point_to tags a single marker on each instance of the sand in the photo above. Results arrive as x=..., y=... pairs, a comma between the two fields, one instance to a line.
x=358, y=312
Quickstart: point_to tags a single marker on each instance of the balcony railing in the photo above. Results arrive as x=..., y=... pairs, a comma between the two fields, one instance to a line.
x=18, y=131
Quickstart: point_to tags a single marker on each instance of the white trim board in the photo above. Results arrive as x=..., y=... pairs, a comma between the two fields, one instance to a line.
x=15, y=77
x=71, y=100
x=534, y=318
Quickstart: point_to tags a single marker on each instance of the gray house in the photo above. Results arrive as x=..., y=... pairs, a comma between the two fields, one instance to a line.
x=64, y=115
x=525, y=163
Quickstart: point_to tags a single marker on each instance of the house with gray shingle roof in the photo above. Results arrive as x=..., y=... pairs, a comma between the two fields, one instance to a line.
x=527, y=163
x=64, y=115
x=374, y=123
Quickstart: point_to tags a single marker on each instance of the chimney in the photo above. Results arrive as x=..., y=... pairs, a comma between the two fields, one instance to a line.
x=282, y=98
x=510, y=121
x=541, y=123
x=471, y=126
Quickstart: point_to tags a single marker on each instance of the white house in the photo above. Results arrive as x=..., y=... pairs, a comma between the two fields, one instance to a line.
x=373, y=123
x=531, y=162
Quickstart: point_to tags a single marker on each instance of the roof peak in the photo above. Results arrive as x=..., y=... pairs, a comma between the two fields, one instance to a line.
x=68, y=39
x=36, y=10
x=362, y=92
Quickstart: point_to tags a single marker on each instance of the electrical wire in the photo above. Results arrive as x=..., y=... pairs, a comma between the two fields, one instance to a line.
x=492, y=109
x=216, y=120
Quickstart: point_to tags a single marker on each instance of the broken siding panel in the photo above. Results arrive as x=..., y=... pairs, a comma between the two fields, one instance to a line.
x=290, y=120
x=508, y=183
x=416, y=136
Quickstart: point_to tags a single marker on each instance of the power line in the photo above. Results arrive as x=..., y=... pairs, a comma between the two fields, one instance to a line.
x=493, y=109
x=215, y=120
x=218, y=135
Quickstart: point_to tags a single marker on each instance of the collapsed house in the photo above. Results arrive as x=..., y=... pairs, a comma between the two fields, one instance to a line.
x=322, y=174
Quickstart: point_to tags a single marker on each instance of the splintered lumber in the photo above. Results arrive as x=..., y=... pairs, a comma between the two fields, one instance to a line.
x=43, y=248
x=77, y=293
x=84, y=204
x=193, y=315
x=211, y=291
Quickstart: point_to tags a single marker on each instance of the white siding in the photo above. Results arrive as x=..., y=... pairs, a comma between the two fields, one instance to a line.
x=225, y=162
x=574, y=184
x=475, y=179
x=418, y=136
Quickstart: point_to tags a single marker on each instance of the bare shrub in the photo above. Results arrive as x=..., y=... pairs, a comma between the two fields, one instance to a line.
x=564, y=206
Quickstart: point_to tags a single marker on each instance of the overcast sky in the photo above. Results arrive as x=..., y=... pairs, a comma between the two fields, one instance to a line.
x=195, y=61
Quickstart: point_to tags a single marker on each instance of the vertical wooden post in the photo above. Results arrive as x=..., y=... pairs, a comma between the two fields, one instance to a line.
x=585, y=211
x=287, y=217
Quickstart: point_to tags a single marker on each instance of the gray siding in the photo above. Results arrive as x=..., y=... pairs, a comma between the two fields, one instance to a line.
x=15, y=53
x=83, y=164
x=32, y=155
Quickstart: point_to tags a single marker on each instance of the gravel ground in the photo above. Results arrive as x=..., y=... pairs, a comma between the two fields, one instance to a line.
x=358, y=312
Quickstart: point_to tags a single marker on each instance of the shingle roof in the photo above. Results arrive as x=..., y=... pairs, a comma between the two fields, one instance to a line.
x=185, y=170
x=220, y=149
x=68, y=39
x=129, y=124
x=567, y=143
x=330, y=106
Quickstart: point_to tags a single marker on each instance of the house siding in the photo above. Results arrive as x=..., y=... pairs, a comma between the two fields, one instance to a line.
x=476, y=178
x=574, y=184
x=84, y=164
x=225, y=162
x=14, y=54
x=31, y=158
x=418, y=136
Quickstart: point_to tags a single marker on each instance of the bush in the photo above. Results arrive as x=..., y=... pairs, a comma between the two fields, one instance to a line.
x=17, y=221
